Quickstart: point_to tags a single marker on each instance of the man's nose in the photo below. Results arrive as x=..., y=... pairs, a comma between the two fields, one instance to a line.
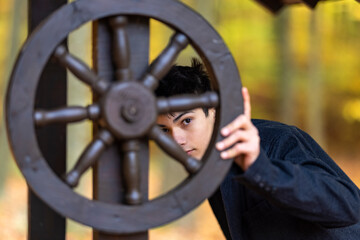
x=179, y=136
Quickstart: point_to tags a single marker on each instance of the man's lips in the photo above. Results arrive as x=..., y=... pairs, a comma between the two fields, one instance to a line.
x=190, y=151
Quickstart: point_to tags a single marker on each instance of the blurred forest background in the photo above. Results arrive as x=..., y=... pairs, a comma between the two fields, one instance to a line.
x=302, y=67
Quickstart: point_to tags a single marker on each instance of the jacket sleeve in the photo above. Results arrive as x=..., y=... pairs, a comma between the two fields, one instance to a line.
x=295, y=175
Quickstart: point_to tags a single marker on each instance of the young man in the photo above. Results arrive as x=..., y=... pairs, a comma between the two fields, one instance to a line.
x=282, y=185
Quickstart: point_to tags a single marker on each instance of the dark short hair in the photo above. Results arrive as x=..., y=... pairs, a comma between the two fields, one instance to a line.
x=185, y=80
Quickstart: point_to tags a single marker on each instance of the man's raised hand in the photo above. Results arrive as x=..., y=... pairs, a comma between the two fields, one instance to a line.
x=242, y=141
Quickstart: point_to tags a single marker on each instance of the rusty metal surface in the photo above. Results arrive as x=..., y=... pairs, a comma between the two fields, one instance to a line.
x=135, y=216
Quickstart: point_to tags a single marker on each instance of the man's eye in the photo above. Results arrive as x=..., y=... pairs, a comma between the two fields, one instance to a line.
x=165, y=130
x=186, y=121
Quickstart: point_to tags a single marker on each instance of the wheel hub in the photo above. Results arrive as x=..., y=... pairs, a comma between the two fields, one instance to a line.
x=129, y=110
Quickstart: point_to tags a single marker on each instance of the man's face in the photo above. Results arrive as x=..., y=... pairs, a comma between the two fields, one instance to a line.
x=192, y=129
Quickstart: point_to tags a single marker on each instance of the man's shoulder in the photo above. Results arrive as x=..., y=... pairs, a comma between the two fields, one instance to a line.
x=271, y=131
x=268, y=125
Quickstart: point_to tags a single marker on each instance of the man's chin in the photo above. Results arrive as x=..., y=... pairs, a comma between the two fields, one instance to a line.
x=194, y=154
x=197, y=157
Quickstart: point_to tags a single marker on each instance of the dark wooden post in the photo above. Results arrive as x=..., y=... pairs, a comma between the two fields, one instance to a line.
x=43, y=222
x=107, y=183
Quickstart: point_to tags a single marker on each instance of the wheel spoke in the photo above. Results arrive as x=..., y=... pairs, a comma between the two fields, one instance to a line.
x=187, y=102
x=90, y=155
x=167, y=144
x=131, y=172
x=80, y=70
x=66, y=115
x=121, y=48
x=162, y=64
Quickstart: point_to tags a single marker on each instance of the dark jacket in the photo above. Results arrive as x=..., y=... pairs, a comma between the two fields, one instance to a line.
x=294, y=190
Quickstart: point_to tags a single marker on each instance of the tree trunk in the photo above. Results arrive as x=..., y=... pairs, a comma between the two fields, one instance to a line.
x=287, y=67
x=314, y=114
x=14, y=42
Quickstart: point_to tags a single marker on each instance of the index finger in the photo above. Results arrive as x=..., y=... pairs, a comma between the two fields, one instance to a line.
x=247, y=105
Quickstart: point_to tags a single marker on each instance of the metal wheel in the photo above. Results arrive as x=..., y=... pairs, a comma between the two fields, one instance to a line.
x=126, y=111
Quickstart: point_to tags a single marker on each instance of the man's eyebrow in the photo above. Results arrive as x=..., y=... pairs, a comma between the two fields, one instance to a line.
x=180, y=115
x=161, y=125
